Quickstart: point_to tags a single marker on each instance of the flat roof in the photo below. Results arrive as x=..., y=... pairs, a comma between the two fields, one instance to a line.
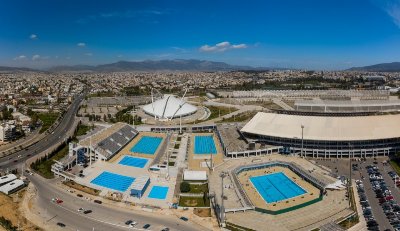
x=11, y=186
x=7, y=178
x=324, y=127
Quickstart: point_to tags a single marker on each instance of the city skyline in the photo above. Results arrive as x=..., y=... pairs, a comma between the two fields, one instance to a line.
x=286, y=34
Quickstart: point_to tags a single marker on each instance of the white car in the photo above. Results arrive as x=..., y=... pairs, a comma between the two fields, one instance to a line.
x=80, y=210
x=133, y=224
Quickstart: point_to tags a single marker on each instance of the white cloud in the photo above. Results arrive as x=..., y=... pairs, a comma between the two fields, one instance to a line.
x=33, y=36
x=88, y=54
x=35, y=57
x=21, y=57
x=222, y=46
x=391, y=7
x=81, y=44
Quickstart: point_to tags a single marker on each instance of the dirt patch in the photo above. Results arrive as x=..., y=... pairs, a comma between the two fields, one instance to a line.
x=82, y=188
x=9, y=210
x=202, y=212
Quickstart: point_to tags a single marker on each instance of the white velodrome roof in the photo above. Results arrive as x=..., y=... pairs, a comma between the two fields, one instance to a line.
x=324, y=127
x=168, y=106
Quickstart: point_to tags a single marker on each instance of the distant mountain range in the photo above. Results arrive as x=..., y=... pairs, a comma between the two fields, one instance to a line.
x=382, y=67
x=157, y=65
x=16, y=69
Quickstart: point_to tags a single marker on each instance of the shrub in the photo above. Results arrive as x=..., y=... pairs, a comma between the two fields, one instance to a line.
x=185, y=187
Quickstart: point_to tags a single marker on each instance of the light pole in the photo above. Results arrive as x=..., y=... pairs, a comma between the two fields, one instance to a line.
x=302, y=139
x=222, y=212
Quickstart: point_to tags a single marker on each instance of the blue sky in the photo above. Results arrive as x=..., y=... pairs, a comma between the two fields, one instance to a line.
x=312, y=34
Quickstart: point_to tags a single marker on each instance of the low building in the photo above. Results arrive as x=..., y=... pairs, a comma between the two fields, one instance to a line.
x=195, y=175
x=12, y=186
x=7, y=178
x=140, y=185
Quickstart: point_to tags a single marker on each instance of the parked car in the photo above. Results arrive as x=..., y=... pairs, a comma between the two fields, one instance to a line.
x=61, y=224
x=98, y=201
x=87, y=211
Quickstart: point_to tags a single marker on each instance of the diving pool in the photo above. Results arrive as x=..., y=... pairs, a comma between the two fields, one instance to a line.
x=158, y=192
x=204, y=145
x=113, y=181
x=147, y=145
x=133, y=161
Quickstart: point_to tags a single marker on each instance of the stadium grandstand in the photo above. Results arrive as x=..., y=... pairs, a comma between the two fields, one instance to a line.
x=109, y=141
x=323, y=136
x=308, y=94
x=347, y=106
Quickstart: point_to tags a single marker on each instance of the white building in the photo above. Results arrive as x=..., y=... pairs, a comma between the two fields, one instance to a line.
x=169, y=107
x=7, y=132
x=7, y=178
x=12, y=186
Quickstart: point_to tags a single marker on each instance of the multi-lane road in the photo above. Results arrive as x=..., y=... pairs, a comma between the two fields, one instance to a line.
x=102, y=218
x=58, y=134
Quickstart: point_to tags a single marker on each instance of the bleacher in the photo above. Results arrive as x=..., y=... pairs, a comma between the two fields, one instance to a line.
x=116, y=141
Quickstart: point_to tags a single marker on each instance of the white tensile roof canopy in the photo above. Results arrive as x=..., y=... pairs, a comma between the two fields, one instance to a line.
x=351, y=128
x=169, y=107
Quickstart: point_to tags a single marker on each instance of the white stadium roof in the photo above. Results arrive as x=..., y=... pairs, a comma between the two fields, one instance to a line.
x=324, y=127
x=169, y=107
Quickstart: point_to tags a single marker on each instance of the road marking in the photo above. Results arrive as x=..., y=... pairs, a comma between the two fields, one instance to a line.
x=94, y=219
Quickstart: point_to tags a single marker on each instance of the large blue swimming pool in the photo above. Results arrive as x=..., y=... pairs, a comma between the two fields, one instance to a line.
x=204, y=145
x=133, y=161
x=276, y=187
x=158, y=192
x=147, y=145
x=113, y=181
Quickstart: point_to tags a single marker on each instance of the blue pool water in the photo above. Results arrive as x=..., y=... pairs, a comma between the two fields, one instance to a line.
x=276, y=187
x=147, y=145
x=133, y=161
x=158, y=192
x=113, y=181
x=204, y=145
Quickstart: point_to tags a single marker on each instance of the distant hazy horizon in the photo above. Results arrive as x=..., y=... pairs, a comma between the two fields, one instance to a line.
x=309, y=34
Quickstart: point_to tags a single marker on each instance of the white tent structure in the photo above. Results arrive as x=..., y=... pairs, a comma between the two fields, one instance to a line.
x=169, y=107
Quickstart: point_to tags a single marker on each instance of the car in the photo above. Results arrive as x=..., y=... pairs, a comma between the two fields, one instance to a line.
x=79, y=195
x=60, y=224
x=128, y=222
x=146, y=226
x=184, y=218
x=80, y=210
x=98, y=201
x=87, y=211
x=133, y=224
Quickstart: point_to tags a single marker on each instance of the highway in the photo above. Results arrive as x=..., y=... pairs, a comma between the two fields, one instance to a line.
x=103, y=217
x=59, y=134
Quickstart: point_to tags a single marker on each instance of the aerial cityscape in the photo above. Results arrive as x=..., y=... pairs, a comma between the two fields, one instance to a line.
x=213, y=115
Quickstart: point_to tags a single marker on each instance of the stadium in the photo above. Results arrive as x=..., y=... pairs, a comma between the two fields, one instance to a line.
x=169, y=107
x=326, y=136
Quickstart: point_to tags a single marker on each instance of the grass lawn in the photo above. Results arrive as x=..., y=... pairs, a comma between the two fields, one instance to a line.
x=395, y=165
x=44, y=168
x=194, y=202
x=194, y=188
x=217, y=111
x=240, y=117
x=82, y=188
x=82, y=130
x=47, y=119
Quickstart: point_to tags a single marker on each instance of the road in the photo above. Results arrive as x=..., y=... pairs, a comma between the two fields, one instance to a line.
x=59, y=134
x=103, y=217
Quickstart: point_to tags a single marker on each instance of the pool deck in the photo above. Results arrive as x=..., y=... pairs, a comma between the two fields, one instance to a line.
x=258, y=201
x=127, y=149
x=197, y=161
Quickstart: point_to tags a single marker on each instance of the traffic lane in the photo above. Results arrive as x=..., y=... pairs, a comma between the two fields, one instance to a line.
x=42, y=145
x=377, y=210
x=390, y=183
x=48, y=191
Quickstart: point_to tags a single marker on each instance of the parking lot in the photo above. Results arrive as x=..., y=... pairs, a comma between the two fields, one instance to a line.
x=376, y=188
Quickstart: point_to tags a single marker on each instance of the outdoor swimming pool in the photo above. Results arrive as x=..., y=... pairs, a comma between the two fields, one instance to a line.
x=113, y=181
x=147, y=145
x=276, y=187
x=204, y=145
x=158, y=192
x=133, y=161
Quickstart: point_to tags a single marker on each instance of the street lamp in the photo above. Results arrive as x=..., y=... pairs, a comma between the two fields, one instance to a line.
x=302, y=139
x=222, y=175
